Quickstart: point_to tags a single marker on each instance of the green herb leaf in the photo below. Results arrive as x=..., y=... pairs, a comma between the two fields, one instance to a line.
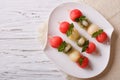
x=69, y=32
x=97, y=33
x=84, y=48
x=86, y=43
x=80, y=61
x=82, y=18
x=62, y=46
x=100, y=31
x=77, y=19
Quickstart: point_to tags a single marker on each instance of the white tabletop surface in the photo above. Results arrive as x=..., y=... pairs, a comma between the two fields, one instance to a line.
x=21, y=57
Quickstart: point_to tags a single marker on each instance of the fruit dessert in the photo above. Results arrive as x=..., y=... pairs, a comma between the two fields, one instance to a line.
x=74, y=55
x=72, y=33
x=94, y=30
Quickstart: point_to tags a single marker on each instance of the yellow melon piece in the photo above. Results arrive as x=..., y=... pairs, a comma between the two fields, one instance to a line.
x=74, y=55
x=75, y=35
x=92, y=29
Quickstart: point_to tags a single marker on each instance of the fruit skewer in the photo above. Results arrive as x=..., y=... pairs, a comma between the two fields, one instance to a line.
x=74, y=55
x=92, y=29
x=72, y=33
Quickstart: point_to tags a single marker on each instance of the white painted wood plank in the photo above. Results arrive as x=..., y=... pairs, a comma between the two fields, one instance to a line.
x=21, y=57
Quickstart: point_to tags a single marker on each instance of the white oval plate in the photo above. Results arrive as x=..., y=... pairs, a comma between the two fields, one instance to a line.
x=98, y=60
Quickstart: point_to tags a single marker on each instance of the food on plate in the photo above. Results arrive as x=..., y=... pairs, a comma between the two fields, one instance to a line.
x=97, y=33
x=75, y=14
x=67, y=48
x=81, y=41
x=74, y=35
x=94, y=30
x=64, y=29
x=91, y=47
x=56, y=41
x=73, y=54
x=101, y=37
x=83, y=61
x=69, y=30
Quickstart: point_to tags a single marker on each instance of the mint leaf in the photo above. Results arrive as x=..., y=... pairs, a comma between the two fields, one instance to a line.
x=77, y=19
x=86, y=43
x=95, y=34
x=82, y=18
x=62, y=46
x=84, y=48
x=69, y=32
x=80, y=61
x=100, y=31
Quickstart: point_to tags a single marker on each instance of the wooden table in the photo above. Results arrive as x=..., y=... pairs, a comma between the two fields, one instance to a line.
x=21, y=57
